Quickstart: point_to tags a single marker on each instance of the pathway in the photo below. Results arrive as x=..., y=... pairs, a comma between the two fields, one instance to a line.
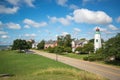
x=107, y=71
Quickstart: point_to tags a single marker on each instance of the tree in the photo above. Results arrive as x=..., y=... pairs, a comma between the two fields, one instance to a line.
x=88, y=47
x=60, y=40
x=112, y=47
x=20, y=45
x=68, y=49
x=83, y=39
x=67, y=41
x=58, y=49
x=41, y=45
x=64, y=40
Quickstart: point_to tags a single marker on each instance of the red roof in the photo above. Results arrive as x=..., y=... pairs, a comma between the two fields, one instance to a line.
x=97, y=29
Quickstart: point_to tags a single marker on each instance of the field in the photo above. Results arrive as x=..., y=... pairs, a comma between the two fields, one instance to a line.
x=21, y=66
x=73, y=55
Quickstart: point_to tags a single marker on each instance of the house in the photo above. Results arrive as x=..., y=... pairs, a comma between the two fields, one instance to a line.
x=50, y=43
x=78, y=43
x=34, y=45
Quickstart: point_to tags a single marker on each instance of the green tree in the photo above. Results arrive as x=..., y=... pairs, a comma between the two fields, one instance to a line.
x=67, y=41
x=112, y=47
x=83, y=39
x=68, y=49
x=41, y=45
x=64, y=40
x=88, y=47
x=19, y=44
x=60, y=40
x=80, y=49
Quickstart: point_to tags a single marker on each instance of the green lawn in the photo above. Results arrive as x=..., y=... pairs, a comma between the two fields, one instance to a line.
x=73, y=55
x=34, y=67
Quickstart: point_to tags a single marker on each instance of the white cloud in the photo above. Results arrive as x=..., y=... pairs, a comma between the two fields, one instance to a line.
x=64, y=21
x=13, y=25
x=77, y=29
x=85, y=2
x=17, y=2
x=118, y=19
x=72, y=6
x=34, y=24
x=62, y=2
x=6, y=10
x=4, y=36
x=14, y=2
x=91, y=17
x=29, y=2
x=3, y=32
x=103, y=30
x=112, y=27
x=27, y=26
x=30, y=35
x=64, y=33
x=1, y=24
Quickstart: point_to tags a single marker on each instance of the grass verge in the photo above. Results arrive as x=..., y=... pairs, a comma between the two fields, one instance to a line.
x=33, y=67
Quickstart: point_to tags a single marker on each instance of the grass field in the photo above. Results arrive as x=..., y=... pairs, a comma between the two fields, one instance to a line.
x=22, y=66
x=73, y=55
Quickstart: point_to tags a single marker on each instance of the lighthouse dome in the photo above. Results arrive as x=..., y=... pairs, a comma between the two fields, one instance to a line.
x=97, y=29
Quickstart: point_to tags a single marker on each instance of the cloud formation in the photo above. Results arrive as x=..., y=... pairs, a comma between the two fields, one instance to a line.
x=72, y=6
x=30, y=35
x=17, y=2
x=77, y=29
x=64, y=21
x=4, y=36
x=91, y=17
x=3, y=32
x=7, y=10
x=64, y=33
x=62, y=2
x=112, y=27
x=27, y=26
x=118, y=19
x=12, y=25
x=32, y=23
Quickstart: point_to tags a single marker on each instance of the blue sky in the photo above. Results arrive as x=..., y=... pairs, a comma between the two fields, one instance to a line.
x=47, y=19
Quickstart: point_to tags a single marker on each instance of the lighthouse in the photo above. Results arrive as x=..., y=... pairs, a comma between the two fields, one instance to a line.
x=97, y=40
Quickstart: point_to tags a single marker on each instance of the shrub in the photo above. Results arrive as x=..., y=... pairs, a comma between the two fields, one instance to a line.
x=68, y=49
x=58, y=49
x=50, y=50
x=94, y=57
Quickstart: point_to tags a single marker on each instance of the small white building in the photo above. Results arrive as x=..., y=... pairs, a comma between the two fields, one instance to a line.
x=97, y=40
x=78, y=43
x=34, y=45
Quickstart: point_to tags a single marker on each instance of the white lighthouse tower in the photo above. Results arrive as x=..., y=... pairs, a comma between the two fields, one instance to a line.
x=97, y=40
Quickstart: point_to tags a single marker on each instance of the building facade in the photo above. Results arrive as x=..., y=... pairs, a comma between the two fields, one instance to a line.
x=78, y=43
x=97, y=40
x=50, y=43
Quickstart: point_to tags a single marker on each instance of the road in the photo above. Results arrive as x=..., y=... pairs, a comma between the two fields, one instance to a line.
x=107, y=71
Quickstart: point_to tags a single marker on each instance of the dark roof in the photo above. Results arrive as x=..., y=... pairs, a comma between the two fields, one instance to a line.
x=79, y=41
x=50, y=42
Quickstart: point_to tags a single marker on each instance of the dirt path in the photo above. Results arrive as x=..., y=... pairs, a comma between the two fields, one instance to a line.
x=109, y=72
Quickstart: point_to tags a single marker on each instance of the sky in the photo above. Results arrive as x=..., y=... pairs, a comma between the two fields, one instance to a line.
x=47, y=19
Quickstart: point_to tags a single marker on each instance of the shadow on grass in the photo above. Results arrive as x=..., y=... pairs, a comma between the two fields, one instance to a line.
x=6, y=75
x=115, y=62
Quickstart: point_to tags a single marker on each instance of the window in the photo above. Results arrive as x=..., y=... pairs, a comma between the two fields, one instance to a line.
x=96, y=40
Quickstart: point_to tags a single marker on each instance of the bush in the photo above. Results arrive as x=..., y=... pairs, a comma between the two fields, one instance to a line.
x=68, y=49
x=85, y=58
x=94, y=57
x=50, y=50
x=58, y=49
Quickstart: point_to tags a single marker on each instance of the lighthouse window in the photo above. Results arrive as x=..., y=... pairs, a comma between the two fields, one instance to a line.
x=96, y=40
